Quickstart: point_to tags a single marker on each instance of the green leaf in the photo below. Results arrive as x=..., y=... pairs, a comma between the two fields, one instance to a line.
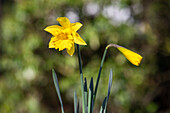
x=110, y=84
x=85, y=84
x=109, y=88
x=57, y=89
x=90, y=99
x=103, y=105
x=75, y=102
x=85, y=92
x=78, y=107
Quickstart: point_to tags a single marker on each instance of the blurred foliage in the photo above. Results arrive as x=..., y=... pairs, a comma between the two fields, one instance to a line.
x=26, y=61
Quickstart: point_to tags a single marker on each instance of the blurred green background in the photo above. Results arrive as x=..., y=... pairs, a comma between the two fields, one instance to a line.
x=143, y=26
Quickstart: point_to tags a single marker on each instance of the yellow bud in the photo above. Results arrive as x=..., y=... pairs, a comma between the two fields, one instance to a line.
x=133, y=57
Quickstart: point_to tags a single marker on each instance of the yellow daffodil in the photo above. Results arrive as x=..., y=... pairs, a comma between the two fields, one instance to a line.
x=133, y=57
x=65, y=36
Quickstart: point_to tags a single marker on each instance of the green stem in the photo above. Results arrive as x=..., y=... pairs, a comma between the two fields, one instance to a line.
x=98, y=78
x=81, y=78
x=101, y=65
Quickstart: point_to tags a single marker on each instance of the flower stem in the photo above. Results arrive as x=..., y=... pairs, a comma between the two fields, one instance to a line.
x=98, y=78
x=81, y=78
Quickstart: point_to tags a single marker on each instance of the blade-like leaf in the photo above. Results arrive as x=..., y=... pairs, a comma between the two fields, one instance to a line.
x=85, y=92
x=103, y=105
x=57, y=89
x=110, y=84
x=90, y=99
x=109, y=88
x=85, y=85
x=78, y=107
x=75, y=102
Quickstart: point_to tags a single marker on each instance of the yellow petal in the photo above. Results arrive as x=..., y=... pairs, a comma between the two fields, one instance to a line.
x=76, y=26
x=64, y=21
x=64, y=44
x=78, y=39
x=54, y=29
x=133, y=57
x=71, y=51
x=51, y=44
x=66, y=31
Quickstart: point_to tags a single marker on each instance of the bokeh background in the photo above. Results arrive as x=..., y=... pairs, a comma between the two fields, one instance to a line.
x=143, y=26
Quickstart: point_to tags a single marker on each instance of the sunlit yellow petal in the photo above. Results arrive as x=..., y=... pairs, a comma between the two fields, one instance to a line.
x=64, y=44
x=53, y=38
x=51, y=44
x=79, y=40
x=66, y=31
x=71, y=51
x=64, y=21
x=54, y=29
x=76, y=26
x=133, y=57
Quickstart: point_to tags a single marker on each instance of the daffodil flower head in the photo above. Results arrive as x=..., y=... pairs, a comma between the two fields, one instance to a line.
x=65, y=36
x=133, y=57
